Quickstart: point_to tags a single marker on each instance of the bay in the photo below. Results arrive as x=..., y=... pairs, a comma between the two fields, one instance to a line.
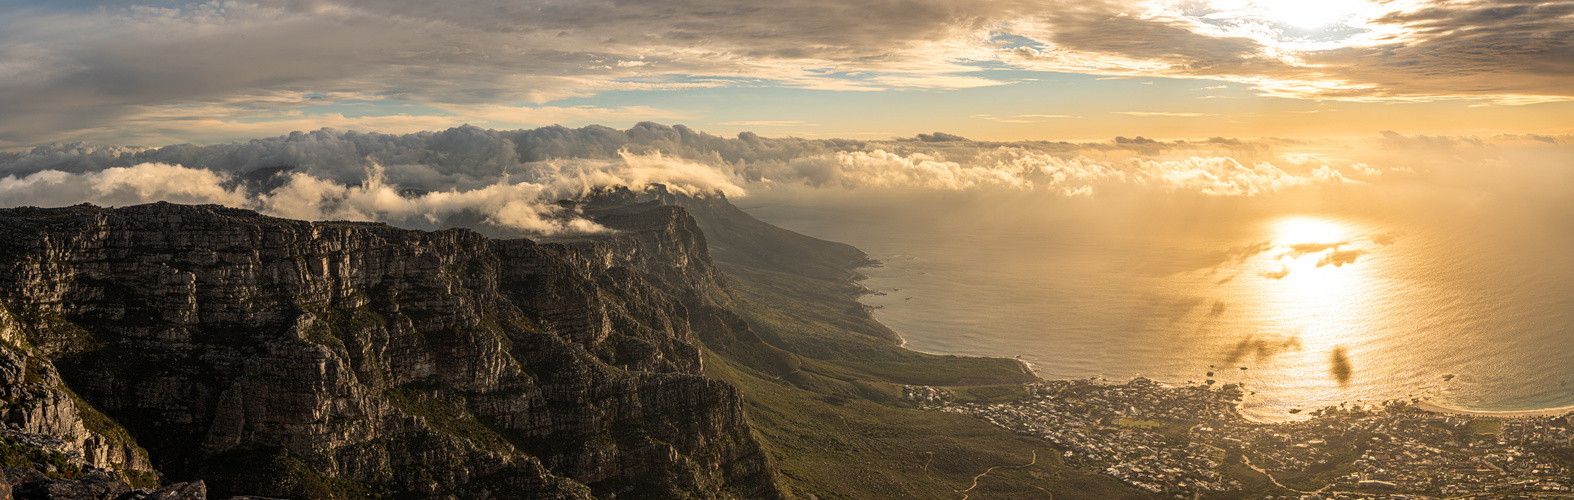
x=1307, y=302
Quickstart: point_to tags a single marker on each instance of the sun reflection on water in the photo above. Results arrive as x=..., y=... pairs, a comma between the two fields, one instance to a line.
x=1314, y=304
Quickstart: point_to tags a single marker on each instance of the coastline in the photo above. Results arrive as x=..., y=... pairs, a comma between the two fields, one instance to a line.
x=1423, y=404
x=1429, y=406
x=861, y=290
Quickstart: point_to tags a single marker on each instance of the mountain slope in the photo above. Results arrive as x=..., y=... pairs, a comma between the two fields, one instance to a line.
x=356, y=360
x=289, y=358
x=822, y=380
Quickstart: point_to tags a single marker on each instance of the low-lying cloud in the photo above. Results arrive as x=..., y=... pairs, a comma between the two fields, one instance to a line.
x=512, y=178
x=121, y=186
x=521, y=204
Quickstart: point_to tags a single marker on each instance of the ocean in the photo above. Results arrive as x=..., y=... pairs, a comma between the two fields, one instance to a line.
x=1308, y=300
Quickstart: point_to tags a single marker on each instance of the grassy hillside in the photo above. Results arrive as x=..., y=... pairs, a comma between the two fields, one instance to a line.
x=822, y=381
x=830, y=444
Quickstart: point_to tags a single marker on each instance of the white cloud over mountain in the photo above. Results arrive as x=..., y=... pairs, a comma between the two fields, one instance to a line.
x=513, y=178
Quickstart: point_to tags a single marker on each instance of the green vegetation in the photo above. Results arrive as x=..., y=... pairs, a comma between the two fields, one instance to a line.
x=312, y=485
x=840, y=446
x=818, y=319
x=55, y=335
x=822, y=382
x=51, y=463
x=1253, y=484
x=820, y=378
x=736, y=237
x=1139, y=423
x=31, y=375
x=101, y=424
x=239, y=471
x=1485, y=427
x=335, y=326
x=446, y=413
x=141, y=478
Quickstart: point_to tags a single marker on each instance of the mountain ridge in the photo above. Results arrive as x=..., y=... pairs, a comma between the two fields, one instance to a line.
x=263, y=356
x=348, y=347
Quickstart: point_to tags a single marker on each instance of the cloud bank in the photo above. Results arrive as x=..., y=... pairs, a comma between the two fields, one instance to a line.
x=512, y=178
x=519, y=206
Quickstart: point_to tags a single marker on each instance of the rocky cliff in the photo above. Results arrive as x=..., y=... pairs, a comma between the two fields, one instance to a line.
x=299, y=359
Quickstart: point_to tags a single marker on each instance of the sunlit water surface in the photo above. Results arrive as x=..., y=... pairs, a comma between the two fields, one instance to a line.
x=1306, y=309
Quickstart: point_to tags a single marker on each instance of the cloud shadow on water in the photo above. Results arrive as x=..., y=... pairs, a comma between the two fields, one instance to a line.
x=1339, y=258
x=1339, y=366
x=1260, y=349
x=1276, y=275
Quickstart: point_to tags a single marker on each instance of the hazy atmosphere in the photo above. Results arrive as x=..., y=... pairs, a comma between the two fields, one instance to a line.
x=1346, y=203
x=1426, y=139
x=1104, y=258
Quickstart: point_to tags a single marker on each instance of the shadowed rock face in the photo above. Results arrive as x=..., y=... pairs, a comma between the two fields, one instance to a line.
x=277, y=357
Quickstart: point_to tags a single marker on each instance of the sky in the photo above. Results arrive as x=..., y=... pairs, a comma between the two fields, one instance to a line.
x=154, y=73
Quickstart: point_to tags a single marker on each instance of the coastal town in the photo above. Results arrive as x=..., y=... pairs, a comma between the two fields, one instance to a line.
x=1189, y=441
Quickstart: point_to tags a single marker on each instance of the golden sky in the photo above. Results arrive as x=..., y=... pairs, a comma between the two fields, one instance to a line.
x=156, y=72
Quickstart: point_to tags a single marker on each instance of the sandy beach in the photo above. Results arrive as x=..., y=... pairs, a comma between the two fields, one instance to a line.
x=1546, y=412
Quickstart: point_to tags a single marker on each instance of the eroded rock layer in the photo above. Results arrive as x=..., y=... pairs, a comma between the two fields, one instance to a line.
x=287, y=358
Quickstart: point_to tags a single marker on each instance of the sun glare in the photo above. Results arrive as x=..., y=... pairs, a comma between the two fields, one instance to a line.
x=1314, y=286
x=1305, y=230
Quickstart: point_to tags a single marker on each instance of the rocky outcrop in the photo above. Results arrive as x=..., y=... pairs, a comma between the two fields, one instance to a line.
x=35, y=405
x=24, y=483
x=41, y=466
x=288, y=358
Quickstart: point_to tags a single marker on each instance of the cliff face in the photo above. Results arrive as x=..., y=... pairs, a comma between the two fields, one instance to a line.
x=288, y=358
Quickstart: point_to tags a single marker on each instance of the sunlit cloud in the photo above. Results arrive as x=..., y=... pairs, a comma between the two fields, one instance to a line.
x=471, y=157
x=507, y=181
x=519, y=203
x=84, y=72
